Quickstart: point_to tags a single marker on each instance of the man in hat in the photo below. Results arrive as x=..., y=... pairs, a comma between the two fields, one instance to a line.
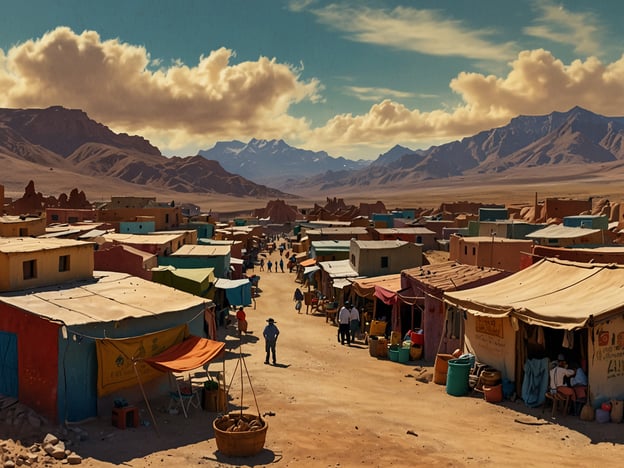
x=271, y=332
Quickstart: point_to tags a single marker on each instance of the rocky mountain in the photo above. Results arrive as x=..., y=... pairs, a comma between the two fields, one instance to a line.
x=575, y=137
x=67, y=139
x=275, y=163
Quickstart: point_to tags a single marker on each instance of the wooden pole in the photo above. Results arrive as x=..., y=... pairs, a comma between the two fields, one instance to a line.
x=149, y=408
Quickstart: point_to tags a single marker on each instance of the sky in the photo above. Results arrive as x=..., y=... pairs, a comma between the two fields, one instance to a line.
x=353, y=78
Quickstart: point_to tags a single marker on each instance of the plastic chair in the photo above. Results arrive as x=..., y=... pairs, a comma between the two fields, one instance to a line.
x=183, y=395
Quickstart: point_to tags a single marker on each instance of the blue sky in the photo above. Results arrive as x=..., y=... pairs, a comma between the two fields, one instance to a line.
x=352, y=78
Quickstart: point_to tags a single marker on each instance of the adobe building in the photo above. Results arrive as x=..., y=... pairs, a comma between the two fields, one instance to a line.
x=488, y=252
x=157, y=244
x=22, y=226
x=28, y=262
x=339, y=233
x=555, y=208
x=1, y=199
x=69, y=215
x=377, y=258
x=166, y=216
x=416, y=235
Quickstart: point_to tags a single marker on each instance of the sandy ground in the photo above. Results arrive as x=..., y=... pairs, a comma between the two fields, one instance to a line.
x=331, y=405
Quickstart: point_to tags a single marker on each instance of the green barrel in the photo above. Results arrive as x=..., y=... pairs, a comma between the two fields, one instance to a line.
x=457, y=377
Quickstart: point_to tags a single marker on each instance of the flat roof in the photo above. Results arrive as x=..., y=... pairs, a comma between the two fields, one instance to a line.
x=558, y=231
x=405, y=230
x=32, y=244
x=380, y=244
x=189, y=250
x=156, y=239
x=108, y=297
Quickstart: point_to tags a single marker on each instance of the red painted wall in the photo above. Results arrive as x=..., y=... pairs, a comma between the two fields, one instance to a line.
x=37, y=350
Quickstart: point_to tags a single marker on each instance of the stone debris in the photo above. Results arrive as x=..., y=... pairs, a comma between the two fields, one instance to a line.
x=53, y=448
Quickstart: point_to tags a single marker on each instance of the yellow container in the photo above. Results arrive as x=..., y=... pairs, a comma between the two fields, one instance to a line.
x=395, y=338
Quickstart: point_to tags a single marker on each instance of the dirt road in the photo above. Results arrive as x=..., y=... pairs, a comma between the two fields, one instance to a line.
x=335, y=405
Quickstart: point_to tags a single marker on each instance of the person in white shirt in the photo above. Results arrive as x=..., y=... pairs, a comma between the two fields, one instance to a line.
x=344, y=318
x=354, y=322
x=558, y=375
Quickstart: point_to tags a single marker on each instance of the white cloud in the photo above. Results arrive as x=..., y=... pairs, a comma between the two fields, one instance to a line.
x=538, y=83
x=112, y=82
x=559, y=25
x=423, y=31
x=378, y=94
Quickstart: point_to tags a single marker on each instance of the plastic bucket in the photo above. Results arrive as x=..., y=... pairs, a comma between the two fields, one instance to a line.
x=404, y=354
x=493, y=394
x=393, y=354
x=457, y=377
x=440, y=368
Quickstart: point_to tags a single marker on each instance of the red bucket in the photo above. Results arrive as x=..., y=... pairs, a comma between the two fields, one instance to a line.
x=416, y=337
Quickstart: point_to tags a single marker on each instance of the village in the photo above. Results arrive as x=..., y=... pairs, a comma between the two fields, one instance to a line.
x=122, y=342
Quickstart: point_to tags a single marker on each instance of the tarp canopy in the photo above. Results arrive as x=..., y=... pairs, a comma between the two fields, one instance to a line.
x=238, y=292
x=187, y=355
x=551, y=293
x=308, y=262
x=365, y=287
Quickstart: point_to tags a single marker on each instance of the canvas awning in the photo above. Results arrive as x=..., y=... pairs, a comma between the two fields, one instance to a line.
x=365, y=287
x=551, y=293
x=187, y=355
x=238, y=292
x=308, y=262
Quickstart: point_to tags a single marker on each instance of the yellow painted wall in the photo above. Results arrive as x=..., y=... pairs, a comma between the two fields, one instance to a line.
x=31, y=226
x=47, y=265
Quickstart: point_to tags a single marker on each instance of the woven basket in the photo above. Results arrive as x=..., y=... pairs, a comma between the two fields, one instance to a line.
x=240, y=444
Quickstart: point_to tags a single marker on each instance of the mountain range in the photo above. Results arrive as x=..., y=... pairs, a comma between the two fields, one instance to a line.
x=68, y=140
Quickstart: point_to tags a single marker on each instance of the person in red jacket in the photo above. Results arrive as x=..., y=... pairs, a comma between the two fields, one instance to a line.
x=241, y=317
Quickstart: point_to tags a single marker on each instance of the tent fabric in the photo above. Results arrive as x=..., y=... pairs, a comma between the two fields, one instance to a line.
x=552, y=293
x=187, y=355
x=366, y=287
x=308, y=263
x=238, y=292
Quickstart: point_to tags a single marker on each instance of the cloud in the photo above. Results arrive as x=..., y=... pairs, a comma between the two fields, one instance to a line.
x=423, y=31
x=538, y=83
x=113, y=83
x=378, y=94
x=562, y=26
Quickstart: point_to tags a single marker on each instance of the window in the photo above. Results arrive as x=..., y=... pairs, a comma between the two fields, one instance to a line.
x=474, y=251
x=384, y=262
x=30, y=269
x=23, y=232
x=166, y=218
x=55, y=217
x=64, y=263
x=72, y=219
x=465, y=250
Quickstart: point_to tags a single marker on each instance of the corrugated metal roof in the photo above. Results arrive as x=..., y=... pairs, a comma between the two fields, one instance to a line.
x=449, y=276
x=558, y=231
x=108, y=297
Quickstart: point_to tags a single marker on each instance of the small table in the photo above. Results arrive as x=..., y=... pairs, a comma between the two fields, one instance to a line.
x=125, y=416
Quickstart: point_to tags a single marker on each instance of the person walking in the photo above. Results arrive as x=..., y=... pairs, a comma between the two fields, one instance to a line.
x=271, y=332
x=241, y=319
x=344, y=318
x=298, y=298
x=262, y=264
x=354, y=322
x=269, y=265
x=281, y=264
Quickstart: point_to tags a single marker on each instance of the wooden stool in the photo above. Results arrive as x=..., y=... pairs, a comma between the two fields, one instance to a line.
x=126, y=416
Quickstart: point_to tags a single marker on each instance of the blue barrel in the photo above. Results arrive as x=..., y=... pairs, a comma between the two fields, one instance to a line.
x=457, y=377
